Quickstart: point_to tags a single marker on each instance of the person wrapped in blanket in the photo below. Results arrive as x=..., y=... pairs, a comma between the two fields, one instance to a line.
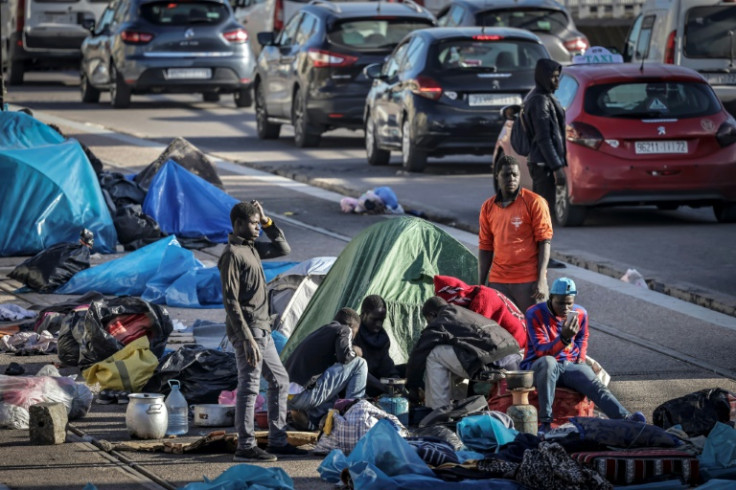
x=556, y=351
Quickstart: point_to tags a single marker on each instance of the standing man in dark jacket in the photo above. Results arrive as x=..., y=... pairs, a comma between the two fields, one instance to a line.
x=374, y=344
x=324, y=364
x=456, y=344
x=249, y=329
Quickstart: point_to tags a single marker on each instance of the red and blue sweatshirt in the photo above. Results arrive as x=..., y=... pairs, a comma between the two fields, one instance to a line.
x=543, y=330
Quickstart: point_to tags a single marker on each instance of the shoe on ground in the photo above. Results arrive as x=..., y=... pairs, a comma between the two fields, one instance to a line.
x=555, y=264
x=106, y=397
x=544, y=427
x=254, y=454
x=636, y=417
x=122, y=397
x=287, y=450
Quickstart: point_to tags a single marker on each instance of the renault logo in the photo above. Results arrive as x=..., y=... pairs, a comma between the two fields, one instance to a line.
x=189, y=33
x=660, y=131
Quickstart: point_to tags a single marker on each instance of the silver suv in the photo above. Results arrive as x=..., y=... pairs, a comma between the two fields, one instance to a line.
x=154, y=46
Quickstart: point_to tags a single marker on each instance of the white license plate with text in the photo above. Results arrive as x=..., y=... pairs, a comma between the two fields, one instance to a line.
x=188, y=74
x=721, y=78
x=657, y=147
x=501, y=100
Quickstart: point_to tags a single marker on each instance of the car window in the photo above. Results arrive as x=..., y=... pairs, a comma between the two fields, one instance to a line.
x=105, y=20
x=707, y=32
x=628, y=53
x=645, y=36
x=287, y=36
x=414, y=55
x=306, y=28
x=391, y=67
x=452, y=17
x=533, y=19
x=489, y=54
x=651, y=99
x=565, y=93
x=121, y=11
x=374, y=33
x=184, y=13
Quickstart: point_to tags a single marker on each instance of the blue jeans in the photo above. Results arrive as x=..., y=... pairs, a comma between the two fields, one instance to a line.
x=548, y=373
x=249, y=381
x=317, y=400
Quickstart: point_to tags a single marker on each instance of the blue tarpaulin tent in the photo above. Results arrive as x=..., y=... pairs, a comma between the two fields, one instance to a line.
x=48, y=190
x=186, y=205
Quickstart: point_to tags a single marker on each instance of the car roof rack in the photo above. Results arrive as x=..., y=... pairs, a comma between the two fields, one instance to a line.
x=326, y=3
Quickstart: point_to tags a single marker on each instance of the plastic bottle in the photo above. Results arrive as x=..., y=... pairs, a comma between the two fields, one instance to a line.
x=178, y=410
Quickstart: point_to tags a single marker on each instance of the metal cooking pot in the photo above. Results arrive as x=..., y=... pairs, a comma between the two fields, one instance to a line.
x=146, y=416
x=214, y=415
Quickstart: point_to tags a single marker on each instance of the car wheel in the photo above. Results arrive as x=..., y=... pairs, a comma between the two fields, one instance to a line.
x=16, y=69
x=243, y=97
x=266, y=130
x=725, y=212
x=375, y=155
x=119, y=92
x=89, y=93
x=211, y=97
x=412, y=159
x=567, y=214
x=305, y=135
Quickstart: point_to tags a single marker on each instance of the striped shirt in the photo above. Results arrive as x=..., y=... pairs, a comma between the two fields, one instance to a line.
x=543, y=330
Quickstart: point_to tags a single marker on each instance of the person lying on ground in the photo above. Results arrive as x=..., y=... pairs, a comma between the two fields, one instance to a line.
x=456, y=344
x=374, y=344
x=248, y=328
x=324, y=364
x=556, y=351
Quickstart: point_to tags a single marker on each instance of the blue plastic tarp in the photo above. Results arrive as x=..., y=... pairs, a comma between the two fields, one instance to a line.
x=48, y=194
x=186, y=205
x=246, y=476
x=19, y=130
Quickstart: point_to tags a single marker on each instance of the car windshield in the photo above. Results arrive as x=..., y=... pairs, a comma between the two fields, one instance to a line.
x=637, y=100
x=706, y=32
x=537, y=20
x=375, y=33
x=488, y=55
x=184, y=13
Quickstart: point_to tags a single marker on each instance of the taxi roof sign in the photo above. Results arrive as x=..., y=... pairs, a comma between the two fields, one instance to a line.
x=597, y=55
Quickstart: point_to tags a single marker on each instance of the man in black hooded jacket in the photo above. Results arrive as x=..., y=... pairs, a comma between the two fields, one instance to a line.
x=545, y=120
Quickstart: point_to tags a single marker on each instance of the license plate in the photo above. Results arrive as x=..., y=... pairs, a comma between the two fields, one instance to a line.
x=188, y=74
x=493, y=99
x=721, y=78
x=656, y=147
x=59, y=18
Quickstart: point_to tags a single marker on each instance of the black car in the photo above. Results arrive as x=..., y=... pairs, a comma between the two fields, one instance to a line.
x=311, y=74
x=173, y=46
x=548, y=19
x=441, y=90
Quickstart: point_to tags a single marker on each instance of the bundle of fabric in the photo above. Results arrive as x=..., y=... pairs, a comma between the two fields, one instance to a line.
x=630, y=466
x=28, y=343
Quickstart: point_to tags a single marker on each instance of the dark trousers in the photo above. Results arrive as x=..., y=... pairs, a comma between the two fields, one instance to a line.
x=543, y=183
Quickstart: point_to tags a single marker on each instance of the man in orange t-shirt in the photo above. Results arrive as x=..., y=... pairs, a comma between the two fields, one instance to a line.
x=514, y=239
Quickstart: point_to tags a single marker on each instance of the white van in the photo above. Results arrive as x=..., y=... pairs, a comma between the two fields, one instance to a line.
x=46, y=33
x=698, y=34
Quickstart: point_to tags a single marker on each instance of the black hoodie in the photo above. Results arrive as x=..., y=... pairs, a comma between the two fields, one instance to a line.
x=545, y=118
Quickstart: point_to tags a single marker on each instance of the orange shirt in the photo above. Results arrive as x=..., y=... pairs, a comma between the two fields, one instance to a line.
x=512, y=234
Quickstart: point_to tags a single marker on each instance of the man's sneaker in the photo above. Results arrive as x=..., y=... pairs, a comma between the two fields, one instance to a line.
x=287, y=450
x=636, y=417
x=122, y=397
x=106, y=397
x=544, y=427
x=253, y=454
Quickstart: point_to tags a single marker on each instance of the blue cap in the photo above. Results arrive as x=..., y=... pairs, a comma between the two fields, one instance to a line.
x=564, y=286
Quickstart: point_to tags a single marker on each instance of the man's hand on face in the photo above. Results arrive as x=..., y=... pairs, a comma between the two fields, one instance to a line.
x=571, y=327
x=560, y=177
x=252, y=352
x=264, y=219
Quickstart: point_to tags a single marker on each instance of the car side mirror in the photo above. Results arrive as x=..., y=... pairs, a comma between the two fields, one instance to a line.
x=510, y=112
x=373, y=71
x=266, y=38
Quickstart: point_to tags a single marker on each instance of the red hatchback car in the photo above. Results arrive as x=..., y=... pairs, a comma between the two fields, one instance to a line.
x=651, y=135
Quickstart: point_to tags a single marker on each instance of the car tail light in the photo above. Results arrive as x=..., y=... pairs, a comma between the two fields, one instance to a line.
x=726, y=134
x=427, y=87
x=238, y=36
x=669, y=50
x=278, y=16
x=486, y=37
x=135, y=37
x=325, y=59
x=577, y=45
x=584, y=134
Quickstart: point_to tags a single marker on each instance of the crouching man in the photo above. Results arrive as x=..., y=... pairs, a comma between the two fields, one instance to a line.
x=325, y=363
x=556, y=350
x=456, y=344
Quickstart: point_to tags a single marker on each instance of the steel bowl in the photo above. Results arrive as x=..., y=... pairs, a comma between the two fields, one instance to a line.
x=519, y=379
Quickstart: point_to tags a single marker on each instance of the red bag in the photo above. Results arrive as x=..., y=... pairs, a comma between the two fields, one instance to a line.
x=127, y=328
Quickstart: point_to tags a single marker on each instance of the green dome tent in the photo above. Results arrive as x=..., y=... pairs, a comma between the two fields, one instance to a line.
x=397, y=259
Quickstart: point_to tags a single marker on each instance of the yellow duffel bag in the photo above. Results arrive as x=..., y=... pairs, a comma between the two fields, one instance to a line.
x=129, y=369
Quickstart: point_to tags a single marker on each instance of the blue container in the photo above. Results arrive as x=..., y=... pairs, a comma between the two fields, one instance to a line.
x=396, y=405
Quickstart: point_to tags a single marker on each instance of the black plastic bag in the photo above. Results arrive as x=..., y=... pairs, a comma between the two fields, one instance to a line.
x=203, y=373
x=185, y=154
x=121, y=190
x=135, y=228
x=52, y=267
x=697, y=412
x=71, y=335
x=455, y=411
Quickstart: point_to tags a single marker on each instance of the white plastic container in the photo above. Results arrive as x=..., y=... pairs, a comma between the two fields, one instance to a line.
x=178, y=410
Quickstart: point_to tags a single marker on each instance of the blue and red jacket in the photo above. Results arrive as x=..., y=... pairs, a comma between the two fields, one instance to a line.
x=543, y=330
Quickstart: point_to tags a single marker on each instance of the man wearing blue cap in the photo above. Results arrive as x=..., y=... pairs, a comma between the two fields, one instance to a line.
x=556, y=350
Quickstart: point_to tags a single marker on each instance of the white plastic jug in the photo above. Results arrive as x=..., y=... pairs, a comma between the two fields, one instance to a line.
x=178, y=410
